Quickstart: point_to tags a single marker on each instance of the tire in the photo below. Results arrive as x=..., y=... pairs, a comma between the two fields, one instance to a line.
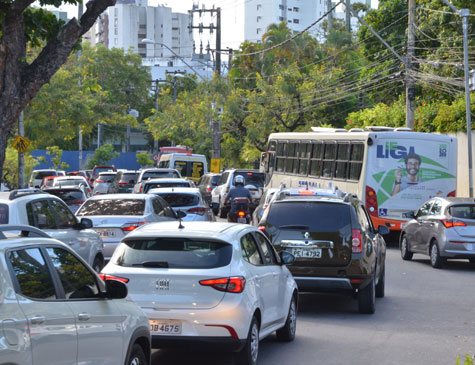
x=214, y=208
x=472, y=260
x=249, y=354
x=406, y=254
x=98, y=264
x=435, y=259
x=367, y=299
x=380, y=285
x=137, y=356
x=287, y=333
x=222, y=213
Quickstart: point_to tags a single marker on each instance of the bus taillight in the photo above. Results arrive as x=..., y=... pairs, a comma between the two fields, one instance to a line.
x=371, y=201
x=452, y=194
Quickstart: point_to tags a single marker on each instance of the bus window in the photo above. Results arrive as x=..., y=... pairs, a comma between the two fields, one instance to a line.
x=342, y=156
x=304, y=155
x=196, y=170
x=328, y=159
x=356, y=161
x=164, y=164
x=316, y=160
x=181, y=167
x=291, y=163
x=272, y=146
x=280, y=158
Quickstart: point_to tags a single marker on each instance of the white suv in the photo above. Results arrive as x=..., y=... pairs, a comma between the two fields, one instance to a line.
x=37, y=208
x=54, y=309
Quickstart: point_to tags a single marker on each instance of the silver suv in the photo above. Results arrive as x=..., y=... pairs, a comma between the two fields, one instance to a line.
x=55, y=309
x=36, y=208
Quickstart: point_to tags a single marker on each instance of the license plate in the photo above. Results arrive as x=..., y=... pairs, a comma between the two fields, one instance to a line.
x=165, y=327
x=241, y=220
x=315, y=253
x=106, y=234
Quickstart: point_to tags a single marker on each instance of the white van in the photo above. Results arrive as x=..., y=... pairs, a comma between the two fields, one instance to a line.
x=189, y=165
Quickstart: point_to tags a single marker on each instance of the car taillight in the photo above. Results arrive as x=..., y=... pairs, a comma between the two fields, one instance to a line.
x=356, y=242
x=371, y=201
x=452, y=193
x=77, y=202
x=99, y=181
x=262, y=228
x=141, y=188
x=241, y=213
x=209, y=188
x=123, y=183
x=197, y=210
x=449, y=223
x=234, y=284
x=110, y=277
x=127, y=227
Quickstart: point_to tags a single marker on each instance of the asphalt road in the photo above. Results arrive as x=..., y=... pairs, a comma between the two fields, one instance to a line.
x=426, y=317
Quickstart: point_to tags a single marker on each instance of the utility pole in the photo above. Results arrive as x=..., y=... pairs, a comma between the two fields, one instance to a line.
x=348, y=16
x=80, y=10
x=218, y=42
x=127, y=137
x=410, y=85
x=155, y=141
x=21, y=156
x=216, y=153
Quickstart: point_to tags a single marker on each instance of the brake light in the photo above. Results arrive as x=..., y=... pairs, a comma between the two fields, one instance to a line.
x=128, y=227
x=450, y=223
x=306, y=192
x=234, y=284
x=249, y=173
x=197, y=210
x=209, y=188
x=78, y=202
x=141, y=188
x=99, y=181
x=452, y=193
x=123, y=183
x=262, y=228
x=356, y=242
x=110, y=277
x=371, y=201
x=241, y=213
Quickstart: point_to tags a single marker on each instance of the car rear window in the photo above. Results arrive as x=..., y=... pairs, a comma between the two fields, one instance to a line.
x=69, y=182
x=128, y=177
x=159, y=174
x=178, y=253
x=317, y=216
x=68, y=196
x=252, y=178
x=180, y=199
x=3, y=214
x=463, y=211
x=215, y=179
x=113, y=207
x=106, y=177
x=182, y=184
x=42, y=174
x=98, y=170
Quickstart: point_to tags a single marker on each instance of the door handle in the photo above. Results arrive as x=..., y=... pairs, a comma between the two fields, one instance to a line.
x=84, y=316
x=37, y=320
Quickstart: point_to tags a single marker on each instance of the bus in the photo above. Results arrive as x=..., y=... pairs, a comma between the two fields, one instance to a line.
x=192, y=166
x=392, y=171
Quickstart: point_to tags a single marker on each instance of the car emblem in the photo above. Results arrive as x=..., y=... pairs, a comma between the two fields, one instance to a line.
x=306, y=235
x=162, y=284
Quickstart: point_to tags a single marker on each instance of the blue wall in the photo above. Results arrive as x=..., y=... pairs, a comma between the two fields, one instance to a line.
x=126, y=160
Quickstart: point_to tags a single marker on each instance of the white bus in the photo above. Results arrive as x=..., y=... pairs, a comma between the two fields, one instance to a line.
x=392, y=171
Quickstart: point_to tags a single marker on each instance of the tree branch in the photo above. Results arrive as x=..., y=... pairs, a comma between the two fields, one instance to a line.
x=19, y=6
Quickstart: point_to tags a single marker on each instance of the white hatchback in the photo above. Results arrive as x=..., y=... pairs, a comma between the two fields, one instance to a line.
x=207, y=283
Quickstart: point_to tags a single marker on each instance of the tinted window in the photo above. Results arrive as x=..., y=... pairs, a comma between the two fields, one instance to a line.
x=106, y=177
x=252, y=178
x=215, y=179
x=43, y=174
x=159, y=174
x=463, y=211
x=68, y=196
x=3, y=214
x=68, y=182
x=40, y=215
x=196, y=169
x=157, y=207
x=127, y=177
x=317, y=216
x=113, y=207
x=249, y=250
x=180, y=253
x=180, y=199
x=98, y=170
x=223, y=179
x=64, y=217
x=32, y=274
x=77, y=280
x=181, y=167
x=265, y=248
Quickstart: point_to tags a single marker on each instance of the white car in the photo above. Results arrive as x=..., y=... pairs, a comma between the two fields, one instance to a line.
x=199, y=283
x=154, y=173
x=37, y=176
x=167, y=183
x=54, y=309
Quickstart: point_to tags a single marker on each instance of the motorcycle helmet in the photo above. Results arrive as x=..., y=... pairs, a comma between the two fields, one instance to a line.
x=239, y=180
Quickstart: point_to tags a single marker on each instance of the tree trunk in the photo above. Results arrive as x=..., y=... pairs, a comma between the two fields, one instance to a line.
x=20, y=81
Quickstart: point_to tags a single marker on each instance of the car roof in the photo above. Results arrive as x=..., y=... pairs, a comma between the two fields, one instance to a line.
x=9, y=237
x=29, y=194
x=165, y=179
x=125, y=196
x=216, y=230
x=177, y=190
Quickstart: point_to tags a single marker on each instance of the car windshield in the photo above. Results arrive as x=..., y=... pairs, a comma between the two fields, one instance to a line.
x=178, y=184
x=180, y=199
x=180, y=253
x=157, y=174
x=43, y=174
x=3, y=214
x=113, y=207
x=215, y=179
x=463, y=211
x=252, y=178
x=68, y=196
x=317, y=216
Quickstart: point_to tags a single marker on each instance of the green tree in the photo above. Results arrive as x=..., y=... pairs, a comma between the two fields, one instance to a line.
x=10, y=168
x=143, y=158
x=20, y=79
x=56, y=160
x=102, y=156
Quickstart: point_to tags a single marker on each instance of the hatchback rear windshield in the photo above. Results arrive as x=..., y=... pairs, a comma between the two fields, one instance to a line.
x=463, y=211
x=128, y=177
x=3, y=214
x=314, y=216
x=180, y=200
x=161, y=174
x=42, y=174
x=182, y=184
x=178, y=253
x=98, y=170
x=106, y=177
x=215, y=179
x=69, y=196
x=252, y=178
x=69, y=182
x=113, y=207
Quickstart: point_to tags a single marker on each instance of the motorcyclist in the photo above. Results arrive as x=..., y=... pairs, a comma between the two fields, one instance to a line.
x=238, y=191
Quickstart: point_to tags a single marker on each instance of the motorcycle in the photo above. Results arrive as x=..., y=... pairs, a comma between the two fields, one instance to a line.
x=242, y=212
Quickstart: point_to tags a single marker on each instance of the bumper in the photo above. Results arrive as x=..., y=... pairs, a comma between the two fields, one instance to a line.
x=392, y=224
x=109, y=248
x=317, y=284
x=198, y=343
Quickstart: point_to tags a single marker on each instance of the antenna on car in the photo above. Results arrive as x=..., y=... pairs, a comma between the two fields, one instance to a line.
x=180, y=226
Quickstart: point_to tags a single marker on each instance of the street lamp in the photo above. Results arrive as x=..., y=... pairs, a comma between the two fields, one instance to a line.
x=151, y=41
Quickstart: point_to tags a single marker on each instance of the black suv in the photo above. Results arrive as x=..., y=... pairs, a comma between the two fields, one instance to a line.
x=206, y=184
x=333, y=240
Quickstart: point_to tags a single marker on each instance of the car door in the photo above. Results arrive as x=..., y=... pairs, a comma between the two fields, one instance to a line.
x=431, y=224
x=99, y=322
x=51, y=322
x=422, y=227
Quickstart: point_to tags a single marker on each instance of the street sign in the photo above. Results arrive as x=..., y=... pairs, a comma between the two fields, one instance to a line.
x=215, y=162
x=21, y=144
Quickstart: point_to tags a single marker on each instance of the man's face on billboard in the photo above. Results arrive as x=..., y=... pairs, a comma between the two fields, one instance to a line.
x=412, y=166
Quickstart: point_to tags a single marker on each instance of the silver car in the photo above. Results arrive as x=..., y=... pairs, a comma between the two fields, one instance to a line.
x=116, y=215
x=443, y=228
x=103, y=182
x=167, y=183
x=54, y=309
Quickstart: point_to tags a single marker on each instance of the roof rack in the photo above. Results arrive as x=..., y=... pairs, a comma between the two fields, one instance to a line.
x=24, y=192
x=356, y=130
x=25, y=230
x=402, y=129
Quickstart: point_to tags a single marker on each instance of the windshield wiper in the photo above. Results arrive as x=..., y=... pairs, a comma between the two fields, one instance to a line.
x=293, y=227
x=163, y=264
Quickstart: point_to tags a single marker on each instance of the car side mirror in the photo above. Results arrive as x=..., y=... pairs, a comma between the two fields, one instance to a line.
x=410, y=215
x=383, y=230
x=116, y=289
x=286, y=258
x=180, y=214
x=85, y=223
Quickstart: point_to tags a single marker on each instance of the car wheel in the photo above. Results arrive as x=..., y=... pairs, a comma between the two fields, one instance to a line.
x=215, y=208
x=367, y=299
x=472, y=260
x=404, y=246
x=287, y=333
x=98, y=264
x=250, y=352
x=380, y=285
x=222, y=211
x=435, y=259
x=137, y=356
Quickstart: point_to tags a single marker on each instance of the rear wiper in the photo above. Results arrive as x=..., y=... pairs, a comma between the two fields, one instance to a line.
x=153, y=264
x=293, y=227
